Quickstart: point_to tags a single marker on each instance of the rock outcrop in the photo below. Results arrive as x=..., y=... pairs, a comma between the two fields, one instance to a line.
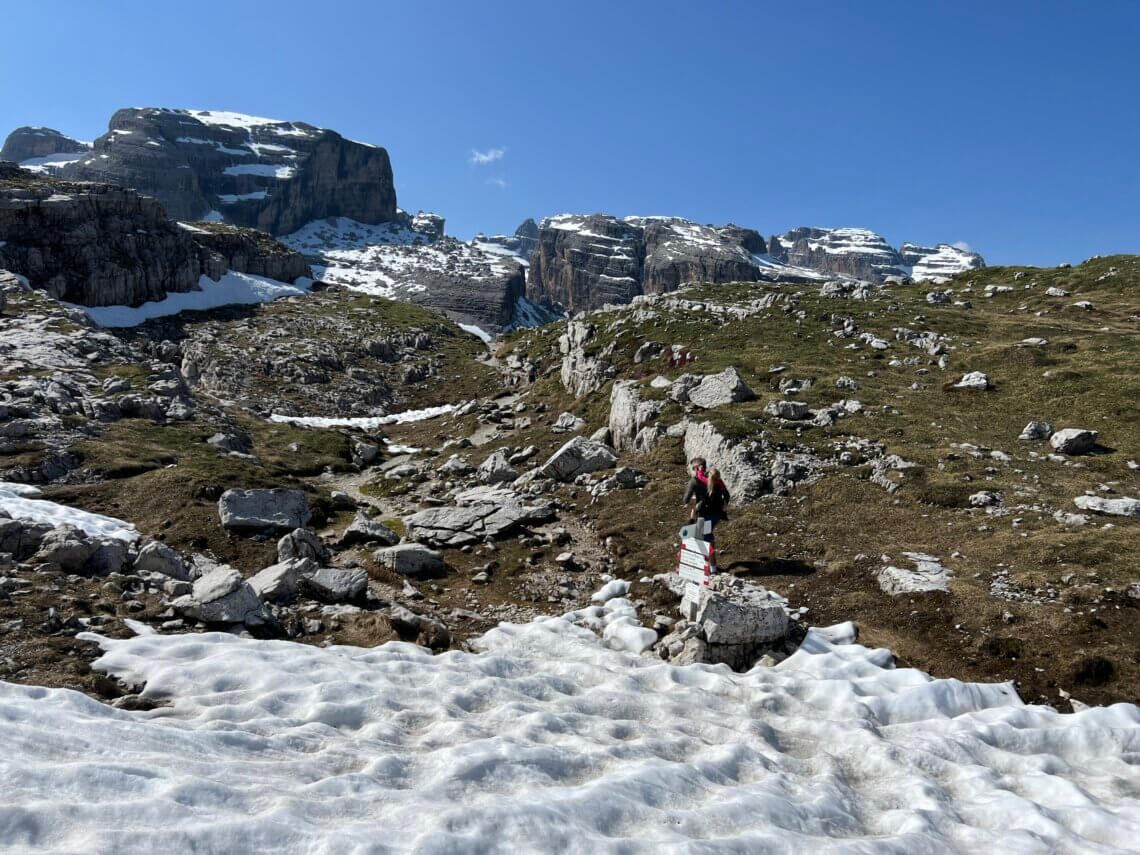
x=101, y=245
x=95, y=244
x=264, y=173
x=38, y=144
x=583, y=262
x=521, y=244
x=938, y=263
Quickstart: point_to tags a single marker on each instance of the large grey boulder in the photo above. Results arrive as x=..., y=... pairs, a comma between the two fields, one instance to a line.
x=567, y=423
x=577, y=457
x=629, y=414
x=366, y=530
x=679, y=389
x=302, y=543
x=157, y=557
x=110, y=556
x=728, y=613
x=21, y=538
x=975, y=380
x=264, y=510
x=1074, y=440
x=410, y=559
x=497, y=468
x=222, y=596
x=716, y=390
x=1121, y=507
x=66, y=546
x=334, y=585
x=281, y=582
x=791, y=410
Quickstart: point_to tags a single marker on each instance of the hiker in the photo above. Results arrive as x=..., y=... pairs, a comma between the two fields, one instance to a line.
x=715, y=507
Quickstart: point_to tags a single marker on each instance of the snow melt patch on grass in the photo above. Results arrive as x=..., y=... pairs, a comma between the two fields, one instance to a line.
x=549, y=739
x=232, y=289
x=365, y=422
x=22, y=502
x=477, y=331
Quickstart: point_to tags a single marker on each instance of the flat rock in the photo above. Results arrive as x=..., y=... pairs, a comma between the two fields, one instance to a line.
x=261, y=510
x=157, y=557
x=366, y=530
x=928, y=575
x=1121, y=507
x=335, y=585
x=717, y=390
x=222, y=596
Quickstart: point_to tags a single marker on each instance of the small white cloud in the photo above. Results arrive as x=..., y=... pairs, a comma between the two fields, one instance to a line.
x=482, y=158
x=498, y=182
x=962, y=245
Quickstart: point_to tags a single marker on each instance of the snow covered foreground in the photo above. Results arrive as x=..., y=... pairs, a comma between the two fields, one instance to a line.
x=547, y=740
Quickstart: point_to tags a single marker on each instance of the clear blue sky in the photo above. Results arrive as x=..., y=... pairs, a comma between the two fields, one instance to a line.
x=1012, y=126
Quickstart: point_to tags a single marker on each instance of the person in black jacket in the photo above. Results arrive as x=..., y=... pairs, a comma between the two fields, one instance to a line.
x=715, y=506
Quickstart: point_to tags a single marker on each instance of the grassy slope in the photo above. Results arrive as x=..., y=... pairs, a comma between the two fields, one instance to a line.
x=1085, y=377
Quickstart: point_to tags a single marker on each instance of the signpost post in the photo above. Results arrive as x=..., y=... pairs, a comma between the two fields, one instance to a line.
x=696, y=561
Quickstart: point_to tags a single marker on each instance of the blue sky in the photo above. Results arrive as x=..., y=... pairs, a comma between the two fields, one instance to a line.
x=1012, y=126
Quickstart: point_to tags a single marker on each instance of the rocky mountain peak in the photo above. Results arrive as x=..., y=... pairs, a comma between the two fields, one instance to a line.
x=41, y=149
x=938, y=263
x=268, y=174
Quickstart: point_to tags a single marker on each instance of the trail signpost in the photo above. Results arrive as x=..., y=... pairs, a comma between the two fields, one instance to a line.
x=696, y=560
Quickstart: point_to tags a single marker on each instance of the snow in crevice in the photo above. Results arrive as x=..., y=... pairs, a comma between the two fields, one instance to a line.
x=232, y=289
x=552, y=737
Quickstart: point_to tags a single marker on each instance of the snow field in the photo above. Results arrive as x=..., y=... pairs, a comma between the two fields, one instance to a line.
x=232, y=289
x=548, y=740
x=365, y=422
x=23, y=502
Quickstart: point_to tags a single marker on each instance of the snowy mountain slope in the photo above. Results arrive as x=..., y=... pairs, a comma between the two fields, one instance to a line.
x=412, y=259
x=867, y=255
x=938, y=263
x=548, y=740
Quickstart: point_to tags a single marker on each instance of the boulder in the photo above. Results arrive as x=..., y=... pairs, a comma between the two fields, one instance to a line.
x=1121, y=507
x=728, y=613
x=1074, y=440
x=629, y=415
x=985, y=499
x=577, y=457
x=222, y=596
x=567, y=423
x=497, y=468
x=264, y=510
x=411, y=559
x=334, y=585
x=281, y=582
x=366, y=530
x=21, y=538
x=157, y=557
x=302, y=543
x=66, y=546
x=791, y=410
x=974, y=380
x=1036, y=430
x=679, y=389
x=716, y=390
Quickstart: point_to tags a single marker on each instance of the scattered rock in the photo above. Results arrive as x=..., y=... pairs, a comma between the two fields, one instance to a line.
x=791, y=410
x=366, y=530
x=335, y=585
x=1074, y=440
x=157, y=557
x=497, y=469
x=716, y=390
x=929, y=575
x=302, y=543
x=974, y=380
x=1122, y=507
x=1036, y=430
x=567, y=423
x=222, y=596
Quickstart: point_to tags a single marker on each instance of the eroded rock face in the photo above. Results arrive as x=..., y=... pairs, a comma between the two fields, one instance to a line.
x=578, y=457
x=741, y=465
x=27, y=143
x=95, y=244
x=264, y=173
x=583, y=262
x=251, y=251
x=629, y=415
